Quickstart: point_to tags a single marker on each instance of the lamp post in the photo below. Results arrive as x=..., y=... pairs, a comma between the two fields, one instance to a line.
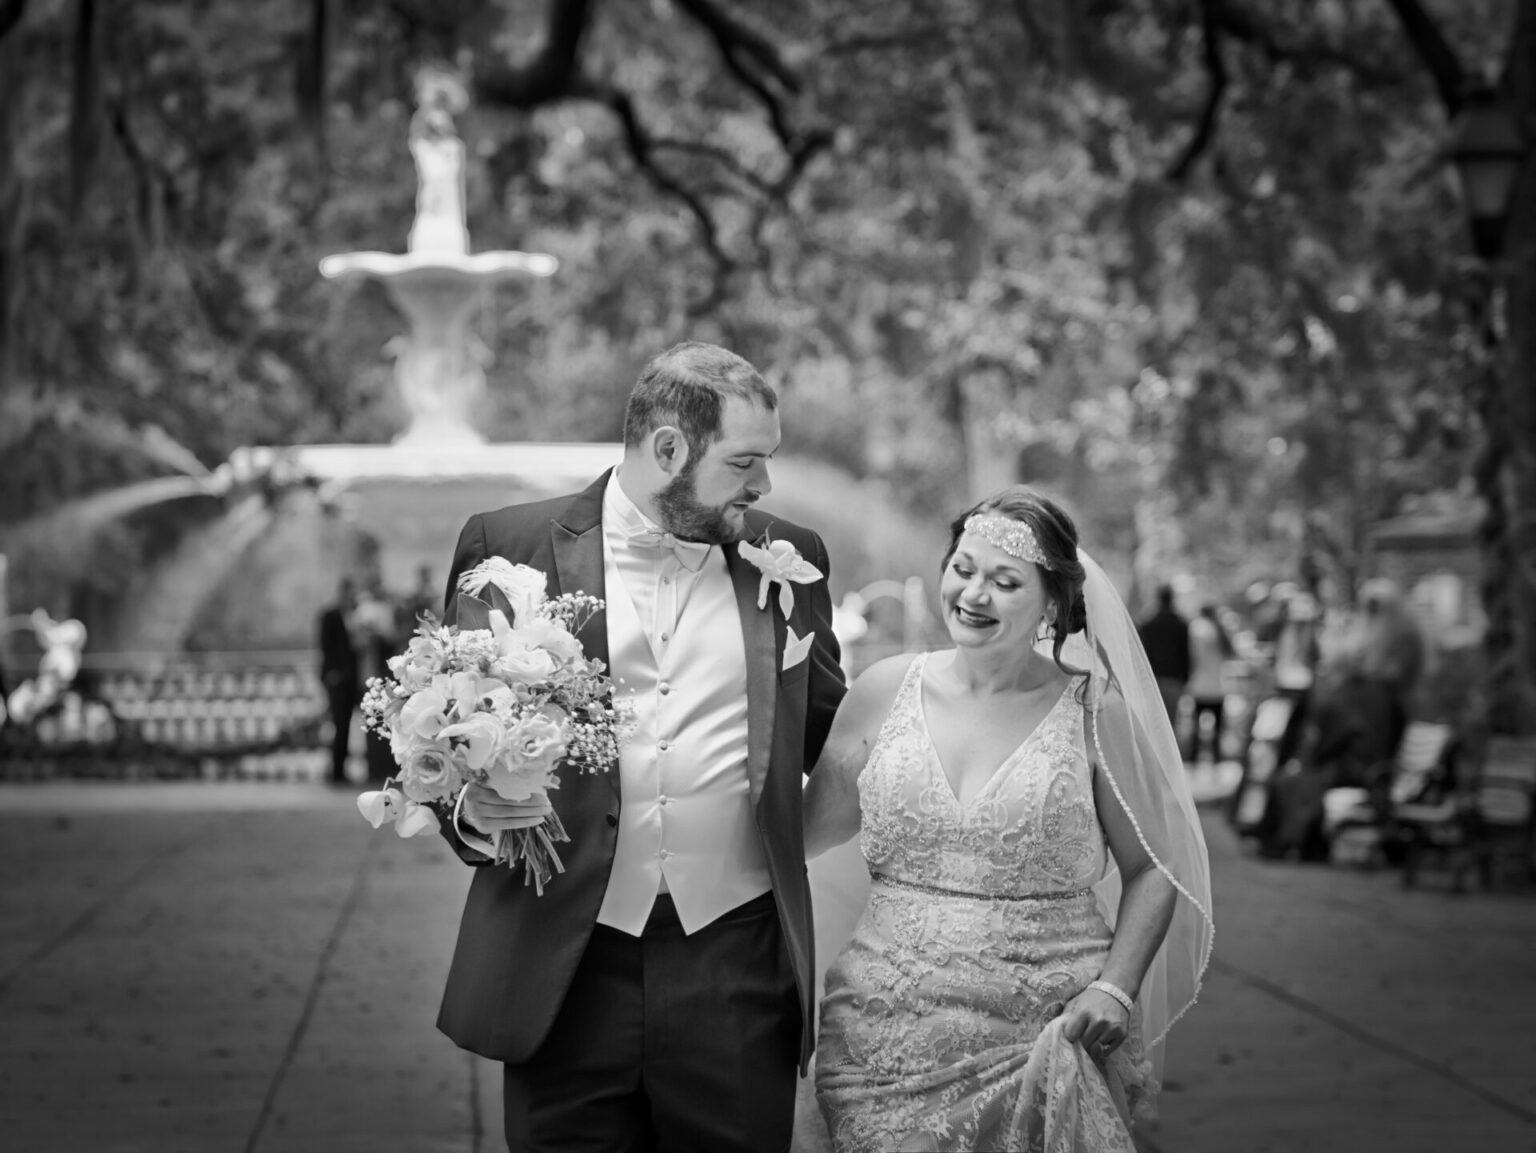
x=1487, y=148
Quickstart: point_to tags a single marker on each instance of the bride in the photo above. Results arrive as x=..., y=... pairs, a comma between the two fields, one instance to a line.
x=1039, y=905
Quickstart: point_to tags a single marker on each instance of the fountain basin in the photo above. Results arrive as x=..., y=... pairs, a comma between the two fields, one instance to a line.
x=437, y=269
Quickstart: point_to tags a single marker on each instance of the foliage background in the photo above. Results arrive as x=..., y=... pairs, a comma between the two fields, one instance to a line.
x=971, y=242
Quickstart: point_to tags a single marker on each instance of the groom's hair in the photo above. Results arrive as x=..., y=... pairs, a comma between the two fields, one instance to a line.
x=686, y=386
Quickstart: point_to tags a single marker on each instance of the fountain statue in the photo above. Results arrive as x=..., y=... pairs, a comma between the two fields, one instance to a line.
x=439, y=364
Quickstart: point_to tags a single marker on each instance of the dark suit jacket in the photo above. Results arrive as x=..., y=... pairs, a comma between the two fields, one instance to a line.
x=517, y=951
x=1165, y=636
x=338, y=656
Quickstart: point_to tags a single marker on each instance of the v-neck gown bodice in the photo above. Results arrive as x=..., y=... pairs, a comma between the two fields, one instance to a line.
x=939, y=1026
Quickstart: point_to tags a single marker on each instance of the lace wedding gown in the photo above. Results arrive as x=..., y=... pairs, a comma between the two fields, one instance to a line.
x=940, y=1026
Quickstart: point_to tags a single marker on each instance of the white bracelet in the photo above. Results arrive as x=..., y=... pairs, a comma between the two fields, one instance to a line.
x=1114, y=991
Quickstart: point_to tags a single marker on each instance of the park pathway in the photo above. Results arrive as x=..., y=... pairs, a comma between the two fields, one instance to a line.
x=192, y=968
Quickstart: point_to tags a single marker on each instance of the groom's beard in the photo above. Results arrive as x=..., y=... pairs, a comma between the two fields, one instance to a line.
x=685, y=517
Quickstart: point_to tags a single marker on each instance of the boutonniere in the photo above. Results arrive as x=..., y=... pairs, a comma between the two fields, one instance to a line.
x=779, y=561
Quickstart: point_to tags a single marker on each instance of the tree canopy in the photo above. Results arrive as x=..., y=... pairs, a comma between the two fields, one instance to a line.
x=1197, y=266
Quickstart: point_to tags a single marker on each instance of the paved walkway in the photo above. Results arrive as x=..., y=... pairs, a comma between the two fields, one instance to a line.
x=200, y=967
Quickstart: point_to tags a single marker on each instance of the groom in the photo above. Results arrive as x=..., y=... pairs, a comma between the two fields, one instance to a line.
x=658, y=995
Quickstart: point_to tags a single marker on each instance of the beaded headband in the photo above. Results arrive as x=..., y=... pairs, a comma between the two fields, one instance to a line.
x=1014, y=537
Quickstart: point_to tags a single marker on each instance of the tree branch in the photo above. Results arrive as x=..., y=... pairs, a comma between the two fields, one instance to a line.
x=85, y=98
x=912, y=37
x=642, y=148
x=750, y=57
x=1435, y=51
x=312, y=68
x=11, y=12
x=733, y=36
x=745, y=53
x=550, y=75
x=1216, y=69
x=1303, y=55
x=720, y=156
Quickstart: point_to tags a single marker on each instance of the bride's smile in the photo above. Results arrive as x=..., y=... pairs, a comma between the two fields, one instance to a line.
x=988, y=595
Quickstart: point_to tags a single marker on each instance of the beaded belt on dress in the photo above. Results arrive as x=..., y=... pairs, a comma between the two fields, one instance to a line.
x=1057, y=895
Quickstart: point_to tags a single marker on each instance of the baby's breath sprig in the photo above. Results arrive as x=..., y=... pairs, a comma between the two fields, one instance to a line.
x=573, y=610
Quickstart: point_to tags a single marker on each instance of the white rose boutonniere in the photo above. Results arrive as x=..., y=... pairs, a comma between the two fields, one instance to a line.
x=779, y=561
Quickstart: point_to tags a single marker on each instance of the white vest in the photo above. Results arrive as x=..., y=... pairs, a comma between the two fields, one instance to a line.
x=685, y=813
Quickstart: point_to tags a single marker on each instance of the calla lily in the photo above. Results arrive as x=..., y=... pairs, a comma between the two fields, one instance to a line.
x=780, y=561
x=379, y=805
x=416, y=819
x=543, y=634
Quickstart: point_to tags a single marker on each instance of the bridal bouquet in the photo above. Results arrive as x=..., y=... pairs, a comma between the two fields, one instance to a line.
x=506, y=698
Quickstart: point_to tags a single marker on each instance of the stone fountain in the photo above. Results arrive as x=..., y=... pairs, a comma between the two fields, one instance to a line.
x=209, y=643
x=409, y=496
x=248, y=581
x=437, y=284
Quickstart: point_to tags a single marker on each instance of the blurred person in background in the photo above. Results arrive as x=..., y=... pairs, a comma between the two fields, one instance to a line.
x=1296, y=648
x=1342, y=733
x=373, y=628
x=339, y=673
x=1390, y=648
x=426, y=597
x=1209, y=650
x=1165, y=636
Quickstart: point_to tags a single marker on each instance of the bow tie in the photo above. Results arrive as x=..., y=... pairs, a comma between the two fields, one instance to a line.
x=691, y=554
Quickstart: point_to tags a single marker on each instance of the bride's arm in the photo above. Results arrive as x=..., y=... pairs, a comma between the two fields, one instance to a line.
x=1147, y=900
x=1147, y=895
x=831, y=801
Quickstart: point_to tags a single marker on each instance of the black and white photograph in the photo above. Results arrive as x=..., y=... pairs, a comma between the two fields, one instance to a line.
x=767, y=576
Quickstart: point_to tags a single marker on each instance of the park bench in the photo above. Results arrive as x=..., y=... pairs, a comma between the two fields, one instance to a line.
x=1357, y=821
x=1488, y=821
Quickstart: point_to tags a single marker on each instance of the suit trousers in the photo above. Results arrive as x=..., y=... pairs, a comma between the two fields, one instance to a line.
x=343, y=704
x=667, y=1043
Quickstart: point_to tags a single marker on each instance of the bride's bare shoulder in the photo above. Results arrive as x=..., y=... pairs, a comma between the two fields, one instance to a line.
x=874, y=690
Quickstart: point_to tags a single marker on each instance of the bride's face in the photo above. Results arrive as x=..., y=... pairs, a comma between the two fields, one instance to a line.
x=990, y=597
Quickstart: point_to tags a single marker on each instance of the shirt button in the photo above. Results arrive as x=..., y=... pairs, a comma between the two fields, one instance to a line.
x=663, y=800
x=665, y=637
x=666, y=580
x=664, y=854
x=663, y=688
x=663, y=745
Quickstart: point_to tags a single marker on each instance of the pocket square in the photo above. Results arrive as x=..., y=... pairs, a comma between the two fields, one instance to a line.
x=796, y=649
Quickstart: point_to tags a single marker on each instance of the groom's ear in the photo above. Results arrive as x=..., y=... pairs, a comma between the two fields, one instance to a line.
x=669, y=449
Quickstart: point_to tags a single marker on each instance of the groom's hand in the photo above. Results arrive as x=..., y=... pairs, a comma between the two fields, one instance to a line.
x=488, y=811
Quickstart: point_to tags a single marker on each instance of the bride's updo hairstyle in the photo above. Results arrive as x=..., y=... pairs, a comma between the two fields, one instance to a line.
x=1061, y=573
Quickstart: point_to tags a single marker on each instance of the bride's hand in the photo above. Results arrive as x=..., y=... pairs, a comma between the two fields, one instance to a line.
x=1096, y=1021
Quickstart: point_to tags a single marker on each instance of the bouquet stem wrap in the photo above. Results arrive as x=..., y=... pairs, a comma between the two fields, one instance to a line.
x=535, y=848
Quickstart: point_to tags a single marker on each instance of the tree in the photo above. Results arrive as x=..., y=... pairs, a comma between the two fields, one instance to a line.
x=1506, y=389
x=1190, y=265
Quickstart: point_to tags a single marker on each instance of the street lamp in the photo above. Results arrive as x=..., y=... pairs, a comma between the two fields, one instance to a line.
x=1487, y=146
x=1488, y=149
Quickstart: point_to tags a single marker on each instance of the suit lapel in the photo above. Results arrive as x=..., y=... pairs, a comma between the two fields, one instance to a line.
x=576, y=539
x=760, y=630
